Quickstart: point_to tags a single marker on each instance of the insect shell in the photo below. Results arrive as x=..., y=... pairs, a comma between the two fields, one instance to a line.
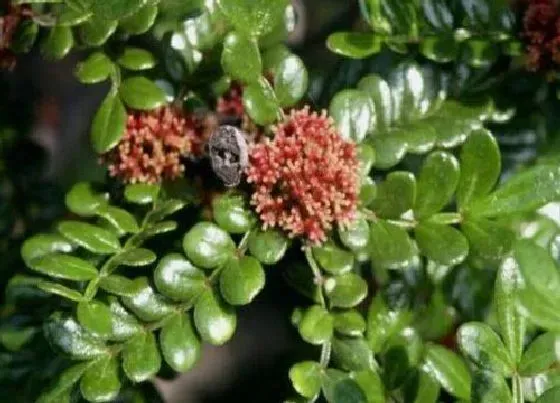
x=228, y=152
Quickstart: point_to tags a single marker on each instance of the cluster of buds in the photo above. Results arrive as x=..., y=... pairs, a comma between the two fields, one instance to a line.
x=541, y=32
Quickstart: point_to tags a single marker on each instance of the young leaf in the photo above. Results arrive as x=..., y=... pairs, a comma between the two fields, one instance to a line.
x=108, y=124
x=208, y=246
x=141, y=359
x=352, y=111
x=141, y=93
x=100, y=382
x=95, y=69
x=136, y=59
x=177, y=278
x=241, y=59
x=306, y=378
x=179, y=344
x=242, y=280
x=215, y=320
x=141, y=193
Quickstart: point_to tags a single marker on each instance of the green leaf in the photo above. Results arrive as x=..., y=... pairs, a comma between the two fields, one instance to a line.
x=95, y=316
x=424, y=389
x=96, y=31
x=259, y=100
x=356, y=45
x=441, y=49
x=58, y=43
x=121, y=219
x=483, y=346
x=316, y=325
x=368, y=191
x=242, y=280
x=339, y=388
x=333, y=259
x=136, y=59
x=395, y=196
x=448, y=369
x=165, y=208
x=100, y=382
x=43, y=244
x=66, y=335
x=550, y=396
x=214, y=320
x=177, y=278
x=383, y=324
x=14, y=338
x=95, y=69
x=390, y=150
x=146, y=304
x=370, y=384
x=268, y=246
x=540, y=355
x=480, y=167
x=355, y=236
x=108, y=124
x=538, y=309
x=141, y=193
x=141, y=93
x=208, y=246
x=290, y=80
x=83, y=200
x=396, y=367
x=349, y=323
x=90, y=237
x=480, y=52
x=179, y=344
x=306, y=378
x=390, y=246
x=232, y=213
x=254, y=18
x=488, y=241
x=442, y=243
x=352, y=354
x=352, y=111
x=489, y=387
x=346, y=290
x=512, y=324
x=124, y=325
x=241, y=59
x=535, y=386
x=141, y=21
x=24, y=37
x=64, y=383
x=379, y=92
x=136, y=257
x=116, y=9
x=523, y=192
x=64, y=266
x=120, y=286
x=141, y=359
x=60, y=290
x=440, y=171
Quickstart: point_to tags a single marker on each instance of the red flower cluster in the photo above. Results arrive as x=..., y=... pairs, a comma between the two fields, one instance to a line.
x=541, y=31
x=306, y=178
x=154, y=144
x=8, y=26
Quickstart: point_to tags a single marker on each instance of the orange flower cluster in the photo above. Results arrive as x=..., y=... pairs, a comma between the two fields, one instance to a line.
x=154, y=145
x=306, y=179
x=541, y=31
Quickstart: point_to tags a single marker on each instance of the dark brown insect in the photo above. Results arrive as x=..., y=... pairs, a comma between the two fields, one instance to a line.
x=228, y=154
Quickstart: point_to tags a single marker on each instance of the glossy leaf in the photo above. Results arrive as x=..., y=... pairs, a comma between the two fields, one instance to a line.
x=64, y=383
x=254, y=18
x=349, y=323
x=352, y=354
x=108, y=124
x=100, y=382
x=60, y=290
x=114, y=10
x=390, y=245
x=241, y=59
x=141, y=359
x=141, y=21
x=58, y=42
x=395, y=196
x=95, y=69
x=64, y=266
x=136, y=59
x=449, y=370
x=141, y=193
x=268, y=246
x=346, y=290
x=242, y=280
x=442, y=243
x=488, y=241
x=480, y=167
x=215, y=320
x=483, y=346
x=231, y=212
x=306, y=378
x=379, y=92
x=290, y=80
x=540, y=355
x=90, y=237
x=95, y=317
x=260, y=102
x=43, y=244
x=121, y=219
x=179, y=344
x=136, y=257
x=488, y=386
x=177, y=278
x=440, y=171
x=208, y=246
x=83, y=200
x=371, y=385
x=316, y=325
x=550, y=396
x=356, y=45
x=146, y=304
x=141, y=93
x=383, y=324
x=333, y=259
x=119, y=285
x=123, y=324
x=355, y=236
x=352, y=111
x=96, y=31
